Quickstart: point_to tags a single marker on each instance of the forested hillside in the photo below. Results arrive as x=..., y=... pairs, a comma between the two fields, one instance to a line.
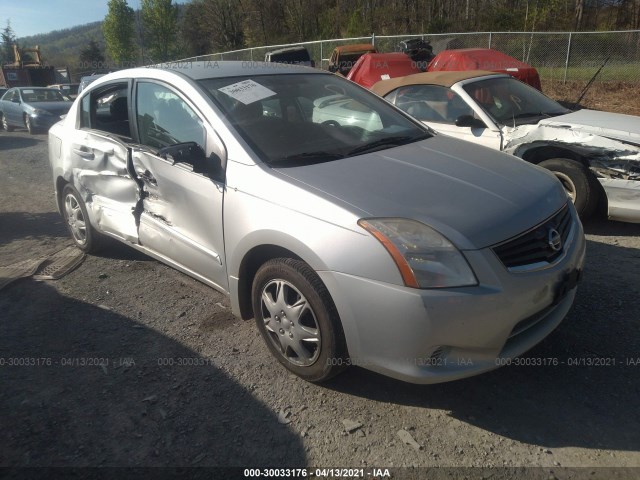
x=207, y=26
x=63, y=47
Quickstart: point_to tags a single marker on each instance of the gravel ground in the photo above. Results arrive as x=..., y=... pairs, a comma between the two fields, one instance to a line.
x=149, y=368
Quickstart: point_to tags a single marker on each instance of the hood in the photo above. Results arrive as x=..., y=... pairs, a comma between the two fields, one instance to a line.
x=55, y=108
x=473, y=195
x=611, y=125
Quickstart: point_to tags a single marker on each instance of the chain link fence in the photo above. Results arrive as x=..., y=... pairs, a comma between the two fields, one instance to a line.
x=558, y=56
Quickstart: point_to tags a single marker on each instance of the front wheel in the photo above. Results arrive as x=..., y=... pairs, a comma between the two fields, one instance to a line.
x=579, y=183
x=298, y=319
x=75, y=216
x=28, y=123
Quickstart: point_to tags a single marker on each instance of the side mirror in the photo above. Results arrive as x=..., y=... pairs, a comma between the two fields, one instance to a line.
x=469, y=121
x=16, y=100
x=192, y=154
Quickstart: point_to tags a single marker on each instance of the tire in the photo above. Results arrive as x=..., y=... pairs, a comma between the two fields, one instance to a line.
x=5, y=124
x=30, y=128
x=307, y=340
x=75, y=216
x=578, y=181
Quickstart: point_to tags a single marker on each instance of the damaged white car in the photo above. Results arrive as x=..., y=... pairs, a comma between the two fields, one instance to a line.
x=380, y=244
x=596, y=155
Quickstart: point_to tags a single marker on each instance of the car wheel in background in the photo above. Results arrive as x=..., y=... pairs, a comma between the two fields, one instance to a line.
x=75, y=216
x=27, y=123
x=578, y=181
x=298, y=319
x=5, y=124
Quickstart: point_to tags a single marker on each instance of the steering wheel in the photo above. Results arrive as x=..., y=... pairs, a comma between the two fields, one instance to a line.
x=516, y=101
x=330, y=123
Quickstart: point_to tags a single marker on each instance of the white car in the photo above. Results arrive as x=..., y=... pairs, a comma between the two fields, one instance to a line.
x=376, y=243
x=593, y=153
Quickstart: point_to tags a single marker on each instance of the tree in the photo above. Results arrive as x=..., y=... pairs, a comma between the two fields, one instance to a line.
x=119, y=32
x=194, y=31
x=91, y=54
x=8, y=39
x=160, y=22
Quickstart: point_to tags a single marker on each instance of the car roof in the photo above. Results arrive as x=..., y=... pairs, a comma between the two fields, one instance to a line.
x=288, y=49
x=357, y=47
x=35, y=88
x=445, y=79
x=217, y=69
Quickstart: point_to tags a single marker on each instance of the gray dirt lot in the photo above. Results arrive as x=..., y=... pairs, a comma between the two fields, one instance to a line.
x=184, y=383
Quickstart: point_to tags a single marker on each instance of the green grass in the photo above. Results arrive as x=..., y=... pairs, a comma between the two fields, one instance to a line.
x=613, y=73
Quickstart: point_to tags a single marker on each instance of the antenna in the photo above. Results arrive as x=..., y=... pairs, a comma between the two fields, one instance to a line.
x=584, y=90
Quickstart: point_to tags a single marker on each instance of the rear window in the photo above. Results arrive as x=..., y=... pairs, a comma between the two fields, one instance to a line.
x=294, y=56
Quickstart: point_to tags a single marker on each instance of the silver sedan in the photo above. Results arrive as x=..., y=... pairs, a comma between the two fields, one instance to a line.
x=376, y=243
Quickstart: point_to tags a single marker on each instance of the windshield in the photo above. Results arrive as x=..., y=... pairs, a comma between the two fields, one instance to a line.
x=41, y=95
x=510, y=101
x=294, y=119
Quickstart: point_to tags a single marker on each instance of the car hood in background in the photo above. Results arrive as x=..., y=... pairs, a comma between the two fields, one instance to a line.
x=55, y=108
x=473, y=195
x=611, y=125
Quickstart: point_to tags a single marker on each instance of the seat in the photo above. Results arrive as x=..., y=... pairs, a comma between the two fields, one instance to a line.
x=245, y=114
x=119, y=121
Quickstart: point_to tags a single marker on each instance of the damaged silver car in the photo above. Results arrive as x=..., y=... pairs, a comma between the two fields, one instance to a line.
x=596, y=155
x=380, y=244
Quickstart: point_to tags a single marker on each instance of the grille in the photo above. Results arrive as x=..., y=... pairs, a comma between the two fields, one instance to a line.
x=533, y=246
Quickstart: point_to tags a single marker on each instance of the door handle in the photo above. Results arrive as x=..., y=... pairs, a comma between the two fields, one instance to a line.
x=84, y=153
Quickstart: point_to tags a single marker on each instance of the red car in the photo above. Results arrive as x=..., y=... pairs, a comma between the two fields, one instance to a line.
x=484, y=59
x=373, y=67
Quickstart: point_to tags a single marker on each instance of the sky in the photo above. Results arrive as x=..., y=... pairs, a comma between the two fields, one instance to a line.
x=29, y=17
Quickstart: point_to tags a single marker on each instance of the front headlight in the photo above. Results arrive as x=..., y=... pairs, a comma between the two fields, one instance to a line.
x=425, y=258
x=37, y=111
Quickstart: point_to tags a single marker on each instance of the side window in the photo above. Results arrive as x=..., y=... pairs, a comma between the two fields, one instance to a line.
x=107, y=110
x=165, y=119
x=432, y=103
x=85, y=112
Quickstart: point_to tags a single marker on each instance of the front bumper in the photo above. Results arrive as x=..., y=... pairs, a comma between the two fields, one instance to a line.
x=439, y=335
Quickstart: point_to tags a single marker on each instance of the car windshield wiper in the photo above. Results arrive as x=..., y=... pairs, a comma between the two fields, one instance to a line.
x=531, y=114
x=307, y=157
x=388, y=142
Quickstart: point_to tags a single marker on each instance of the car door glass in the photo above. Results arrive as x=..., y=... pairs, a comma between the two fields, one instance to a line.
x=107, y=110
x=432, y=103
x=165, y=119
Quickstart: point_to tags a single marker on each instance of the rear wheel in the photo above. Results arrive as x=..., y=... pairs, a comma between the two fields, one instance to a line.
x=75, y=216
x=298, y=319
x=579, y=183
x=5, y=124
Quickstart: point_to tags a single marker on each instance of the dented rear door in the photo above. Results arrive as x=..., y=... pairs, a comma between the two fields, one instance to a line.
x=101, y=174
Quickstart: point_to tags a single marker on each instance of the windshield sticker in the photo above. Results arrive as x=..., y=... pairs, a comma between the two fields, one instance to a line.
x=27, y=91
x=385, y=76
x=247, y=91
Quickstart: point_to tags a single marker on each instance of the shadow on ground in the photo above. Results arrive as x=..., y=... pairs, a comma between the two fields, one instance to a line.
x=14, y=142
x=21, y=225
x=119, y=394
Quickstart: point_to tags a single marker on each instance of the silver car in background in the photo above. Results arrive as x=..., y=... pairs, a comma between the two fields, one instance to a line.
x=380, y=244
